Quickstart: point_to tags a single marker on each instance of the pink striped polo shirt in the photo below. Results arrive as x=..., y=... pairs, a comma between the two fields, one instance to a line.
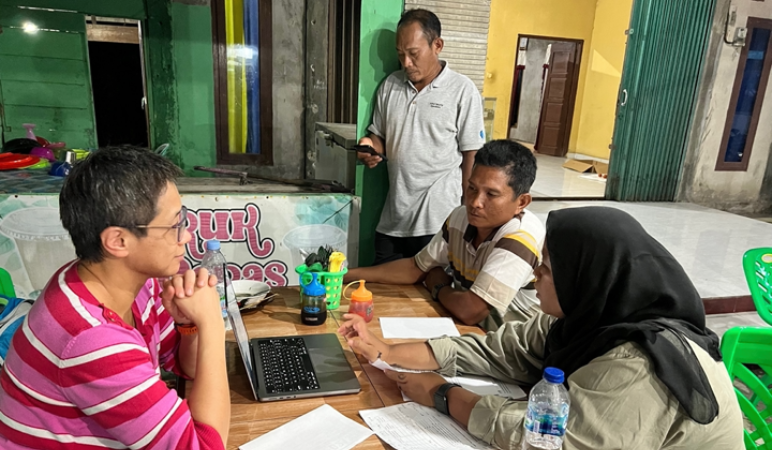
x=78, y=377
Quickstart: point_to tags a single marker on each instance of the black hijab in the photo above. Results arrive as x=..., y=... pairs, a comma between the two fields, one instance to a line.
x=617, y=284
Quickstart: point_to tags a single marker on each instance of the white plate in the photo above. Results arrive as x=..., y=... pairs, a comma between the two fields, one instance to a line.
x=252, y=291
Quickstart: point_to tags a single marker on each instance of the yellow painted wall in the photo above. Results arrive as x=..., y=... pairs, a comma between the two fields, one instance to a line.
x=607, y=55
x=553, y=18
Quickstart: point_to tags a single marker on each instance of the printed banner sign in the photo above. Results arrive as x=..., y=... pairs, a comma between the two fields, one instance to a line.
x=263, y=237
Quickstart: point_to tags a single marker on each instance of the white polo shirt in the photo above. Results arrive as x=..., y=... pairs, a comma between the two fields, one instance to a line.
x=425, y=133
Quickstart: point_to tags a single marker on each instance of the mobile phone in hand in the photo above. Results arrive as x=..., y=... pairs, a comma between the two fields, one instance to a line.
x=369, y=150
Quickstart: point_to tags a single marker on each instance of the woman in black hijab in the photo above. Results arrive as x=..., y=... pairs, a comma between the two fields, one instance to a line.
x=622, y=320
x=615, y=284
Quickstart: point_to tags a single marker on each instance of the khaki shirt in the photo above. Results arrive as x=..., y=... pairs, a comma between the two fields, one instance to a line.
x=617, y=402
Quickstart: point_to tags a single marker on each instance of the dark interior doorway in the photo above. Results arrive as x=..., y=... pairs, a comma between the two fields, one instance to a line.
x=117, y=84
x=544, y=91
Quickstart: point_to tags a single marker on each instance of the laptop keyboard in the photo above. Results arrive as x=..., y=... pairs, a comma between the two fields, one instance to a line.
x=287, y=366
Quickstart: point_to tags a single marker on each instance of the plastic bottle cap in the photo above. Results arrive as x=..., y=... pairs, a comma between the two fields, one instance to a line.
x=554, y=375
x=313, y=288
x=214, y=244
x=361, y=294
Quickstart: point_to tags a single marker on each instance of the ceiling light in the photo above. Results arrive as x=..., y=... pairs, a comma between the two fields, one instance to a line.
x=30, y=27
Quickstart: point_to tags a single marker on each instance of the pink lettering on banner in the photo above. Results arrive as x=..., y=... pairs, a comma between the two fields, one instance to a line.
x=235, y=273
x=237, y=225
x=276, y=274
x=213, y=225
x=248, y=221
x=243, y=221
x=253, y=271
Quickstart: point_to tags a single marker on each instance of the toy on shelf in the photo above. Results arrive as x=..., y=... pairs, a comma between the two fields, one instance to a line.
x=20, y=145
x=30, y=133
x=43, y=152
x=16, y=161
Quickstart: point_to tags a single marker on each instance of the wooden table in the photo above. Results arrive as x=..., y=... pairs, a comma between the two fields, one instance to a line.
x=250, y=418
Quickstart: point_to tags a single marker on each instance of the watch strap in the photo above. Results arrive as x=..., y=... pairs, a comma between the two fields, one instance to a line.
x=186, y=329
x=436, y=291
x=441, y=398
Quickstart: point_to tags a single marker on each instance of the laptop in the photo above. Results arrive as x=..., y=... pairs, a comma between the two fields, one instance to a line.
x=288, y=367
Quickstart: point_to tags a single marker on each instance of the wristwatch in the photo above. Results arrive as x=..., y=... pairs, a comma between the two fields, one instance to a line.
x=436, y=291
x=441, y=398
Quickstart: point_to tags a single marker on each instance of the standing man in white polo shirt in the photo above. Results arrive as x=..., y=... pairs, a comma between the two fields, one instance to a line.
x=428, y=121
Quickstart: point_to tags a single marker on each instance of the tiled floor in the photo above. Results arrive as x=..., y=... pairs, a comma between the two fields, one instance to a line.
x=722, y=322
x=708, y=243
x=555, y=181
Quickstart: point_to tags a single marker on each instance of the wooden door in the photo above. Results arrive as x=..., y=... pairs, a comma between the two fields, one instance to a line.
x=557, y=109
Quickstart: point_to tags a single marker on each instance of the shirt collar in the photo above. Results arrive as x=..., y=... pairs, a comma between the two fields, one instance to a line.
x=437, y=81
x=74, y=282
x=471, y=231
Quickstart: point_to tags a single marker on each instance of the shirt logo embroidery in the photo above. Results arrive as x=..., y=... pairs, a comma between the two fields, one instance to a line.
x=435, y=105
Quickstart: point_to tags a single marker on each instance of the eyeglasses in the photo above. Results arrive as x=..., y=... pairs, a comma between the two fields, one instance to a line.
x=180, y=225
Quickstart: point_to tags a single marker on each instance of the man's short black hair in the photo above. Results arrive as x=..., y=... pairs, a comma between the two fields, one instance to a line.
x=514, y=159
x=115, y=186
x=429, y=22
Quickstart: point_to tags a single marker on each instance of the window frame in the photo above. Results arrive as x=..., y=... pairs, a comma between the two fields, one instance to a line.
x=742, y=165
x=220, y=58
x=343, y=60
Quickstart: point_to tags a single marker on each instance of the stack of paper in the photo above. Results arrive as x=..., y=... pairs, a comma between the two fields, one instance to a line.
x=417, y=327
x=323, y=427
x=410, y=426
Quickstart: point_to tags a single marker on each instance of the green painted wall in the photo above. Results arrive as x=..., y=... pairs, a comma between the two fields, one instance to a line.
x=178, y=63
x=377, y=59
x=194, y=75
x=160, y=77
x=44, y=77
x=180, y=77
x=129, y=9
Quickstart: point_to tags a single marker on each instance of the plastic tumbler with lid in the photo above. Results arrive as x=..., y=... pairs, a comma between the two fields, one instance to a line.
x=42, y=242
x=313, y=300
x=361, y=301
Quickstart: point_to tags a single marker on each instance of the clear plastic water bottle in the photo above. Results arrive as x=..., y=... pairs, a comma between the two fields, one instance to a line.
x=547, y=415
x=213, y=261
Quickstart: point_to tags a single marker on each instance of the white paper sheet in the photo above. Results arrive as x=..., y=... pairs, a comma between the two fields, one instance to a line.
x=410, y=426
x=383, y=365
x=484, y=386
x=417, y=327
x=323, y=427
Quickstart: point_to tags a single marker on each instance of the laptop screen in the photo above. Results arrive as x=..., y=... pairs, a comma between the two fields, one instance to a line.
x=242, y=338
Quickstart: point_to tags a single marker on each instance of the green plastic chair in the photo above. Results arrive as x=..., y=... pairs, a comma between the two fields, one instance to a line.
x=6, y=285
x=740, y=347
x=757, y=264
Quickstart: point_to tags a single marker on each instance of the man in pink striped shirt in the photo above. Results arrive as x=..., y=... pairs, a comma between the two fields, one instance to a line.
x=83, y=371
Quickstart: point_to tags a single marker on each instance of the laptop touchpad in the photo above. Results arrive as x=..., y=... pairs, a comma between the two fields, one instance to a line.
x=328, y=360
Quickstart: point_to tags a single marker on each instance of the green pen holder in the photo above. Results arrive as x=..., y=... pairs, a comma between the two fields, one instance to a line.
x=332, y=282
